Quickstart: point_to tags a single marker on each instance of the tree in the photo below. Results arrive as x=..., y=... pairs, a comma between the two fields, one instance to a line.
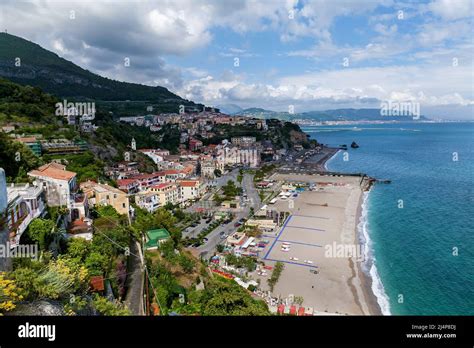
x=109, y=308
x=218, y=199
x=217, y=173
x=230, y=190
x=41, y=231
x=299, y=300
x=223, y=297
x=220, y=248
x=78, y=248
x=167, y=249
x=107, y=211
x=97, y=264
x=186, y=263
x=275, y=275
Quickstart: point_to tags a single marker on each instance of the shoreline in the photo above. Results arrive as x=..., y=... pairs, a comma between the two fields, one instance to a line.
x=323, y=221
x=365, y=278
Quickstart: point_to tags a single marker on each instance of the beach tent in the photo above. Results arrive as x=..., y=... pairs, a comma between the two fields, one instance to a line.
x=293, y=310
x=281, y=309
x=301, y=311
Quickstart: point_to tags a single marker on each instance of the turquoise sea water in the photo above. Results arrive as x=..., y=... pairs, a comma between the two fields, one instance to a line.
x=413, y=246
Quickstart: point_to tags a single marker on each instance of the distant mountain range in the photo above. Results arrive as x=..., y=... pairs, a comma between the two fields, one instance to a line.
x=327, y=115
x=230, y=109
x=42, y=68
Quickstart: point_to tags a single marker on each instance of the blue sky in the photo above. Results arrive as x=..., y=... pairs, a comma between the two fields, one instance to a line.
x=290, y=52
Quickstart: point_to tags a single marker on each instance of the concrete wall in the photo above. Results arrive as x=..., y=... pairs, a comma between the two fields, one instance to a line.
x=5, y=263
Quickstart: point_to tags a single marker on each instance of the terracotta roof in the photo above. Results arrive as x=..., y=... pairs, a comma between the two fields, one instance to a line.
x=125, y=182
x=170, y=172
x=148, y=176
x=189, y=183
x=162, y=185
x=97, y=283
x=54, y=171
x=26, y=140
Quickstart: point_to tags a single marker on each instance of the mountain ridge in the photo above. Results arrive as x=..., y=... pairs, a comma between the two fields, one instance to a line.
x=346, y=114
x=28, y=63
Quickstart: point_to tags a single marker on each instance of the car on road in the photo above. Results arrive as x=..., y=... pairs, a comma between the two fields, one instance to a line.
x=205, y=240
x=237, y=224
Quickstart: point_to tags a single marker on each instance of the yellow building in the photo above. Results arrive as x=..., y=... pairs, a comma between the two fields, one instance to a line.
x=103, y=194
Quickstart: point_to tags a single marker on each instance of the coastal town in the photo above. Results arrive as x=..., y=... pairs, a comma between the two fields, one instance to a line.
x=261, y=214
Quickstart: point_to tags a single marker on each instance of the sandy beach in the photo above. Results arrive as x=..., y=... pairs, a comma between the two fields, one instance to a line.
x=322, y=234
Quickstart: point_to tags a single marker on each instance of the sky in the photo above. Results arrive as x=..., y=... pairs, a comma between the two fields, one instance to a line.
x=273, y=54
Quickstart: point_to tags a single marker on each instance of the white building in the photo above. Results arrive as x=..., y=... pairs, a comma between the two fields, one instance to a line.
x=190, y=190
x=25, y=203
x=167, y=193
x=232, y=155
x=244, y=141
x=60, y=186
x=148, y=200
x=57, y=182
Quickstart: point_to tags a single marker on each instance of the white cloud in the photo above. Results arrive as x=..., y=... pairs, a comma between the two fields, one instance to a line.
x=452, y=9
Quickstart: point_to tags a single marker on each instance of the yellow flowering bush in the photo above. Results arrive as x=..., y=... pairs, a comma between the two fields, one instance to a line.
x=9, y=294
x=61, y=277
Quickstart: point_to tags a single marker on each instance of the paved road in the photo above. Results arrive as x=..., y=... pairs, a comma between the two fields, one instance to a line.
x=214, y=238
x=135, y=280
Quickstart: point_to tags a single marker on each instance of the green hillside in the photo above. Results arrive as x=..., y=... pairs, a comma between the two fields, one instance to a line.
x=53, y=74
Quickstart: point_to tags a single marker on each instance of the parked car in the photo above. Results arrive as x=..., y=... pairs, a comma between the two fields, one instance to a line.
x=237, y=224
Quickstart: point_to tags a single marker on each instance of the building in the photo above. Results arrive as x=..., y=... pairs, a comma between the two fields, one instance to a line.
x=171, y=175
x=232, y=155
x=130, y=186
x=148, y=200
x=32, y=143
x=64, y=146
x=168, y=193
x=122, y=170
x=5, y=262
x=103, y=194
x=58, y=183
x=195, y=144
x=190, y=190
x=148, y=180
x=264, y=225
x=155, y=237
x=236, y=239
x=244, y=141
x=157, y=155
x=207, y=169
x=25, y=203
x=80, y=228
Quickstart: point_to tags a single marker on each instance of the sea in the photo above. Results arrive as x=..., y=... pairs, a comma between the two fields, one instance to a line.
x=418, y=230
